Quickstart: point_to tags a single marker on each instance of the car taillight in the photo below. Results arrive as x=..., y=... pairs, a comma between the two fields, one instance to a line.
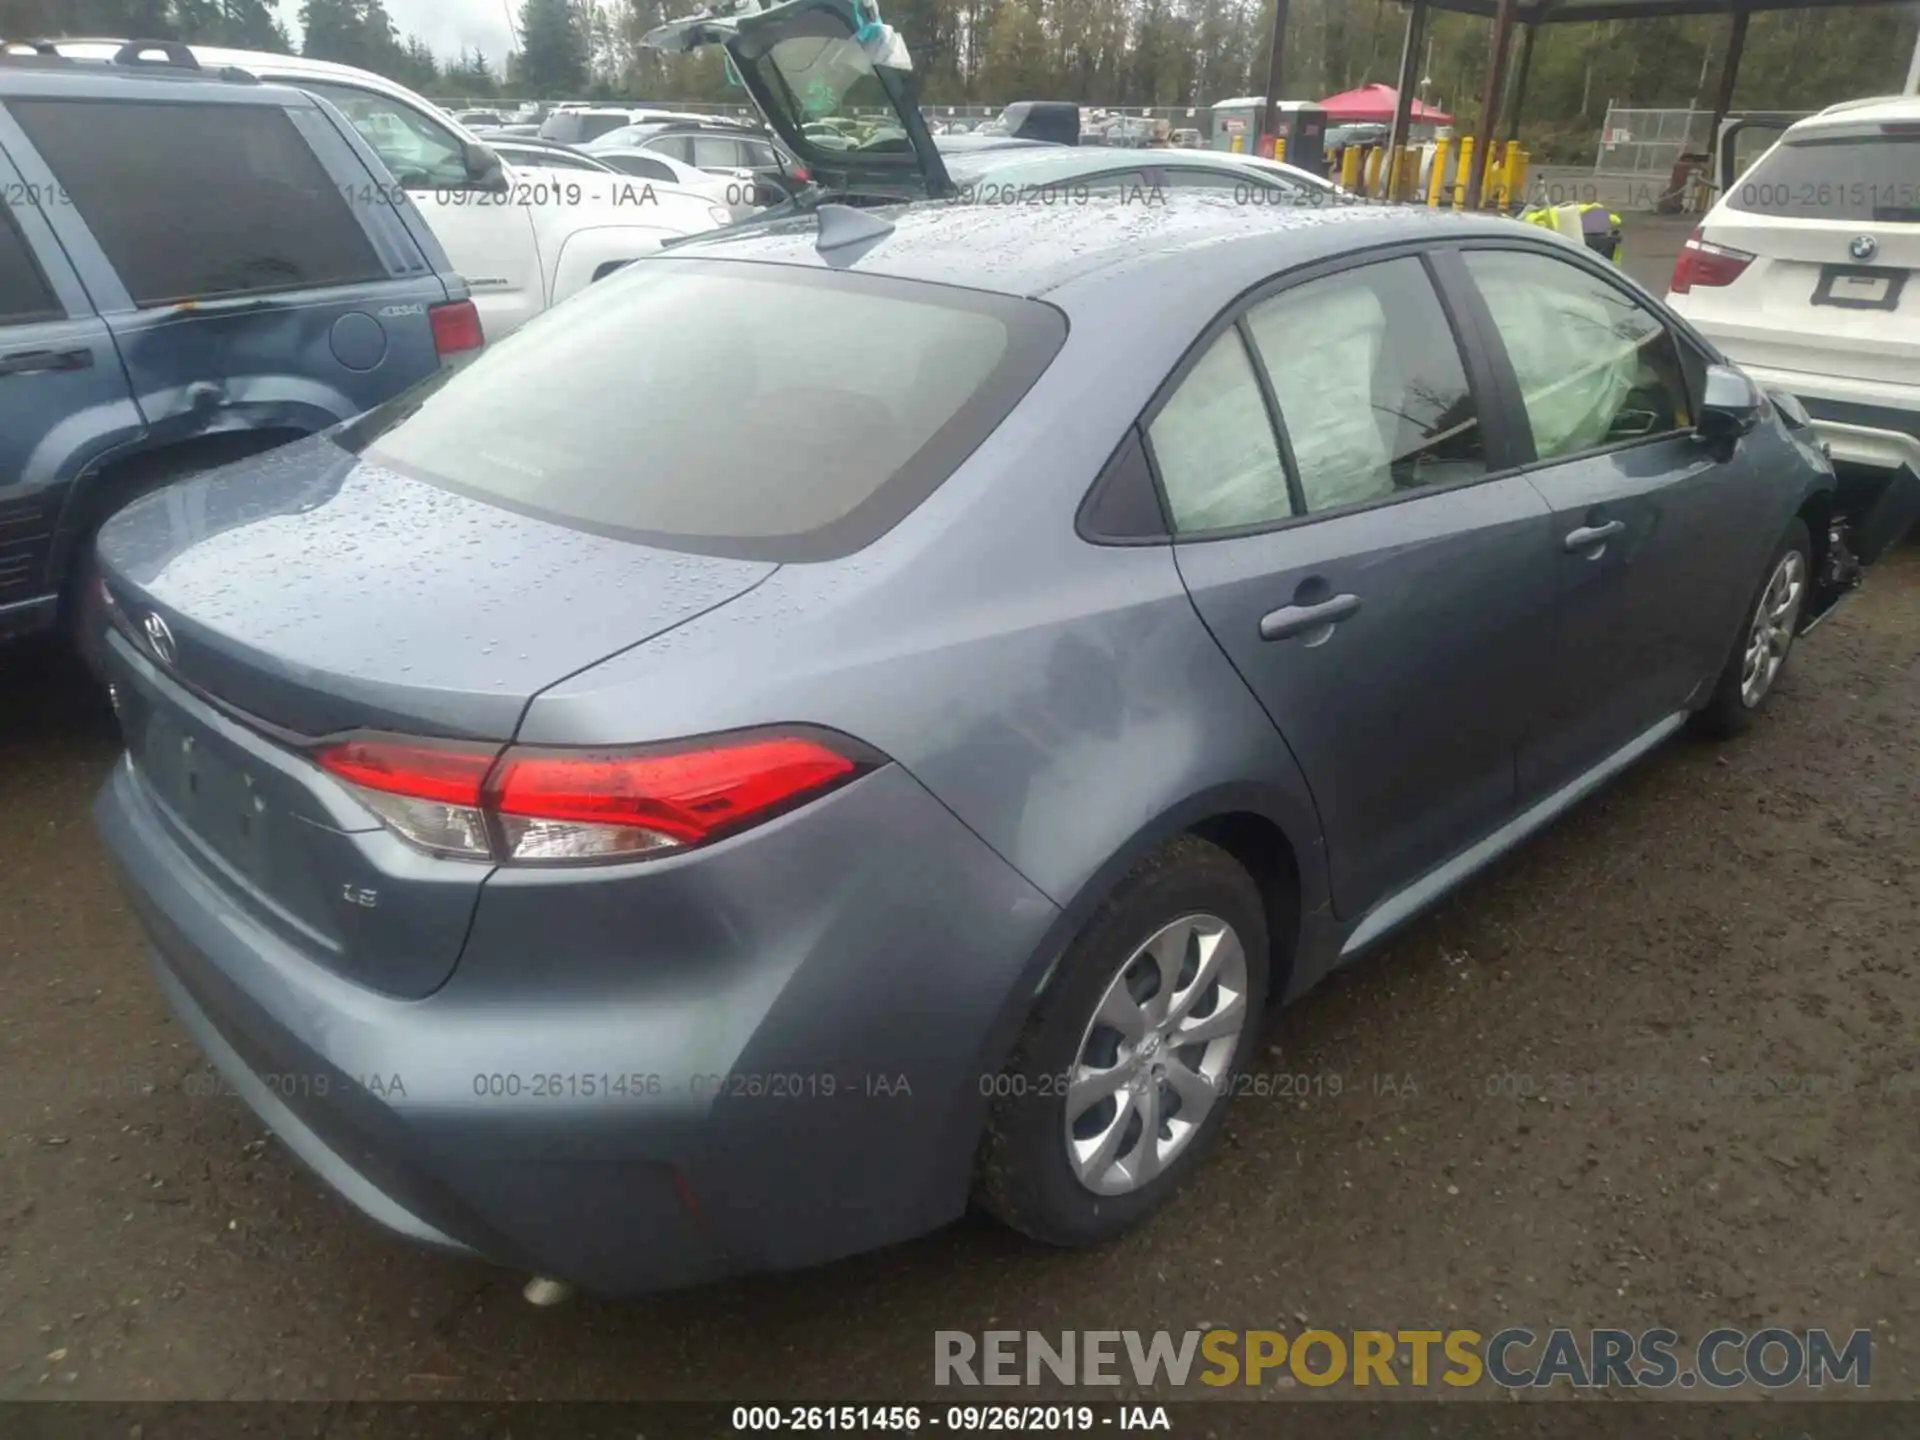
x=456, y=327
x=802, y=174
x=1705, y=264
x=552, y=806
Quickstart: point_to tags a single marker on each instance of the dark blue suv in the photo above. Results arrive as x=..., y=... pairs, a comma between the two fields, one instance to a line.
x=194, y=266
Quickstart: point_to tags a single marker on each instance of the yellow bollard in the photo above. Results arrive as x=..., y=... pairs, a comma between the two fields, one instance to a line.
x=1517, y=181
x=1509, y=157
x=1280, y=148
x=1237, y=145
x=1350, y=169
x=1371, y=179
x=1442, y=153
x=1465, y=168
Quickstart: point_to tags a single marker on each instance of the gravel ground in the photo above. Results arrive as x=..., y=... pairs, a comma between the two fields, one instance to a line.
x=1657, y=1069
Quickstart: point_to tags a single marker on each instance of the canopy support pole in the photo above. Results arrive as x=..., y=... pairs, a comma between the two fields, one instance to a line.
x=1276, y=56
x=1729, y=74
x=1490, y=101
x=1520, y=83
x=1402, y=126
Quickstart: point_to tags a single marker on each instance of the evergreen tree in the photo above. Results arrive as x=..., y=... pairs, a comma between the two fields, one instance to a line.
x=553, y=48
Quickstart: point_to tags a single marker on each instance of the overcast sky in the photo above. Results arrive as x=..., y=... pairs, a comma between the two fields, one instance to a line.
x=446, y=25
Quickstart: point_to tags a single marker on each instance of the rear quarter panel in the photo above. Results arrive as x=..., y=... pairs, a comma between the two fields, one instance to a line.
x=1061, y=698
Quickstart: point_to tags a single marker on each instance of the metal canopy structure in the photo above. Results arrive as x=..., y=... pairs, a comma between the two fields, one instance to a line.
x=1530, y=15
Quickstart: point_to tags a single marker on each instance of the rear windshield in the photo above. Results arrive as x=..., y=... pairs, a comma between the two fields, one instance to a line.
x=1856, y=177
x=729, y=408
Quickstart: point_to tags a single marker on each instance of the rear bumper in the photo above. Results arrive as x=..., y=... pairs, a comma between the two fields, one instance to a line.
x=810, y=1091
x=1862, y=422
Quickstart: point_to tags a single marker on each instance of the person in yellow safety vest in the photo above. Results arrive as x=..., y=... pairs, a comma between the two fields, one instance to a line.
x=1597, y=227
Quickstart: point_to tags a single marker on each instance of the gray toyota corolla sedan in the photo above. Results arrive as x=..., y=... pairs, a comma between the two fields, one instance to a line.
x=853, y=719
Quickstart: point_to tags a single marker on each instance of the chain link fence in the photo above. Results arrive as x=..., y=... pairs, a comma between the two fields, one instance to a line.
x=1190, y=117
x=1646, y=144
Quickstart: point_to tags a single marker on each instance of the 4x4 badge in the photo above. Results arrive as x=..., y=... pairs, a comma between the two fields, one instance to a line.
x=1863, y=247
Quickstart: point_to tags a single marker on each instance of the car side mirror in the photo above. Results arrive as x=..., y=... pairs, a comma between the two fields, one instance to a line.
x=484, y=170
x=1730, y=407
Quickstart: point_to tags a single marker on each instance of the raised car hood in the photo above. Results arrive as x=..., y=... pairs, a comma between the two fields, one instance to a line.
x=321, y=592
x=808, y=65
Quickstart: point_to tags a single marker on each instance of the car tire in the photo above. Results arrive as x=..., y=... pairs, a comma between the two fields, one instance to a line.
x=1768, y=626
x=1026, y=1176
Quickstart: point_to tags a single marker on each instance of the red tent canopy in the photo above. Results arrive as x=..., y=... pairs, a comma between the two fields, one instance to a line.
x=1373, y=105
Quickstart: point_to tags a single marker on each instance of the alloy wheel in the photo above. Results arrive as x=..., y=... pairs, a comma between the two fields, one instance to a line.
x=1154, y=1059
x=1774, y=621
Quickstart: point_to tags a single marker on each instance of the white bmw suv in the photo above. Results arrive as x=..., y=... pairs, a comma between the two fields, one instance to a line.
x=1807, y=273
x=522, y=239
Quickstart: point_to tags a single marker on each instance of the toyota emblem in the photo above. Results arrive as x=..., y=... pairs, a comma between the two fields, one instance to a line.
x=1863, y=247
x=159, y=638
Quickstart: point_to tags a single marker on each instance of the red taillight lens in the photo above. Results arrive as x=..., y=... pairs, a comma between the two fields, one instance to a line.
x=1707, y=265
x=558, y=806
x=421, y=772
x=686, y=797
x=802, y=174
x=428, y=794
x=456, y=327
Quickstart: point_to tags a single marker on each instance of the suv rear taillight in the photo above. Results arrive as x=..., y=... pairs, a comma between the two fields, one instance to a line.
x=550, y=806
x=456, y=327
x=1707, y=265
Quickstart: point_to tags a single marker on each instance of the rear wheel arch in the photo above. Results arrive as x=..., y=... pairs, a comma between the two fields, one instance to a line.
x=1254, y=825
x=1261, y=848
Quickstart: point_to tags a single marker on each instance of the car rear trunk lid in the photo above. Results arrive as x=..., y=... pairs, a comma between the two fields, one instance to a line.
x=311, y=592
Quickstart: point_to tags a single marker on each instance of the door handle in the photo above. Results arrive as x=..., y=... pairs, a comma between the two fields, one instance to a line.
x=1588, y=536
x=22, y=361
x=1294, y=620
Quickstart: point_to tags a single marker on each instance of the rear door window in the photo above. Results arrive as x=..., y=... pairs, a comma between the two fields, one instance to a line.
x=1372, y=391
x=678, y=147
x=1855, y=178
x=195, y=202
x=593, y=126
x=760, y=411
x=1214, y=446
x=422, y=153
x=716, y=152
x=24, y=296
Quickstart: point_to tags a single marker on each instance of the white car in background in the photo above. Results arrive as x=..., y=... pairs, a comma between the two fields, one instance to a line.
x=737, y=189
x=522, y=241
x=1807, y=273
x=578, y=124
x=736, y=195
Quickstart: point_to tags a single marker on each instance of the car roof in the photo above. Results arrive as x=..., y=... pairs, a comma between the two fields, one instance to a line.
x=1064, y=162
x=50, y=76
x=287, y=69
x=1860, y=114
x=1045, y=250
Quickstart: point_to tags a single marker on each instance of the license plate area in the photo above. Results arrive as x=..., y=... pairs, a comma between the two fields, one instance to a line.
x=200, y=777
x=1859, y=287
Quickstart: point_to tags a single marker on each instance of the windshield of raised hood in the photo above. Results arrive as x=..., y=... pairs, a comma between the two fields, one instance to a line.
x=826, y=80
x=737, y=409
